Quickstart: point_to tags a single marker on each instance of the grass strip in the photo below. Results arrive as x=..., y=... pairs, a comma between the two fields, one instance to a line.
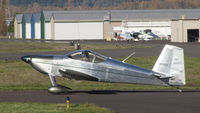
x=12, y=46
x=50, y=108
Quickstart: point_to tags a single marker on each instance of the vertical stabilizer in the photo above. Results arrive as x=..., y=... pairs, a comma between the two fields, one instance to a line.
x=170, y=64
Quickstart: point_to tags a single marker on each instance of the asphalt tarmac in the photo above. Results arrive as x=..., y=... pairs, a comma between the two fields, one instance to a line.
x=119, y=101
x=155, y=48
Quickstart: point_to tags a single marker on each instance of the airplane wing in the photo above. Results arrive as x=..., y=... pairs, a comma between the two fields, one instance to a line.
x=71, y=74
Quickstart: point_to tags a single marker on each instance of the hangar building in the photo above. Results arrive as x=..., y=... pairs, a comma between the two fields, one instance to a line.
x=26, y=26
x=18, y=26
x=76, y=25
x=182, y=25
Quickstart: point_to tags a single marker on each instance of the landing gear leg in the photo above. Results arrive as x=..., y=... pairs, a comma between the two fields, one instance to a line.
x=52, y=79
x=57, y=89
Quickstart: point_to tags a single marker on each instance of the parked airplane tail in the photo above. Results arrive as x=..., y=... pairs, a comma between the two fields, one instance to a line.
x=170, y=64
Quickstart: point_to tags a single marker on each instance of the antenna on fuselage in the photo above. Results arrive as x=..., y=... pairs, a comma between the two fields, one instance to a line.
x=128, y=57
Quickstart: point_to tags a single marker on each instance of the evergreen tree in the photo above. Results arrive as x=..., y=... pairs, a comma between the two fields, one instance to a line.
x=11, y=25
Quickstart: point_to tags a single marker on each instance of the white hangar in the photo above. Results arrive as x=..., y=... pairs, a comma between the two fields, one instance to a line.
x=181, y=24
x=18, y=26
x=77, y=25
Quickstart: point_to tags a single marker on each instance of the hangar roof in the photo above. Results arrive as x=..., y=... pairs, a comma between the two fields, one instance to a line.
x=37, y=16
x=80, y=16
x=119, y=15
x=115, y=15
x=89, y=15
x=48, y=14
x=27, y=17
x=166, y=14
x=19, y=18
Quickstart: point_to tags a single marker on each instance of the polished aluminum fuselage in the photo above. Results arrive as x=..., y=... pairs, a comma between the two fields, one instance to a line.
x=109, y=70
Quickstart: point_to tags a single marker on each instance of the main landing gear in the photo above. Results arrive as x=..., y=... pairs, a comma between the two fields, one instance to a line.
x=57, y=89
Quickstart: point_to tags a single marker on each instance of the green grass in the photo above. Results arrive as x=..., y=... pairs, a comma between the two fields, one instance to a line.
x=111, y=46
x=50, y=108
x=32, y=46
x=17, y=75
x=12, y=46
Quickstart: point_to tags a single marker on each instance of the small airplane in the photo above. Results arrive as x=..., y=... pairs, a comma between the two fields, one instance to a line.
x=147, y=35
x=126, y=36
x=89, y=65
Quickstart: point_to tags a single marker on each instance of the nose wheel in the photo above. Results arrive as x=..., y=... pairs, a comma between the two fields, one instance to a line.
x=57, y=89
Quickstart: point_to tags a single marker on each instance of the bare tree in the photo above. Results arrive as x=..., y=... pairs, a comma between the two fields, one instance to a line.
x=3, y=26
x=70, y=4
x=36, y=7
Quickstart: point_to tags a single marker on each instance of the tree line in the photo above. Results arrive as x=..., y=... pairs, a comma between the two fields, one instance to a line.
x=111, y=4
x=29, y=6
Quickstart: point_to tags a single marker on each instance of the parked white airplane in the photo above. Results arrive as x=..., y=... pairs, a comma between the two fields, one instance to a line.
x=147, y=35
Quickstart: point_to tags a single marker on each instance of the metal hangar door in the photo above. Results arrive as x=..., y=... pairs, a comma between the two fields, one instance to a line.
x=79, y=31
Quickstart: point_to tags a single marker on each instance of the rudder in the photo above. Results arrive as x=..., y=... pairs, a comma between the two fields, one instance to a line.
x=170, y=64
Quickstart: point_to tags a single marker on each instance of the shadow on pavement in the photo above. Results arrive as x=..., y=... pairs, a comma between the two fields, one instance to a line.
x=131, y=91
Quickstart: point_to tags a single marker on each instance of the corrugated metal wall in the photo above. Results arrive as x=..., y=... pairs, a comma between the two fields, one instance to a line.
x=47, y=30
x=28, y=30
x=37, y=30
x=16, y=32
